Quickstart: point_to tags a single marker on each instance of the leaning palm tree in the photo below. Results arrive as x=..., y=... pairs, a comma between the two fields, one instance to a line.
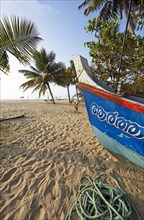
x=18, y=37
x=44, y=72
x=111, y=9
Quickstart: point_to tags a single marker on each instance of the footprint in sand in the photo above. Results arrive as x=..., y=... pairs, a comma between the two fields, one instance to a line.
x=52, y=173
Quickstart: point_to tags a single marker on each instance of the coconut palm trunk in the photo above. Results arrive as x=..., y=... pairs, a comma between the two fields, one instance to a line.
x=68, y=91
x=130, y=24
x=48, y=85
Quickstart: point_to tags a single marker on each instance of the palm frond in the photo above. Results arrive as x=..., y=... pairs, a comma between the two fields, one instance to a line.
x=111, y=9
x=57, y=68
x=30, y=74
x=18, y=37
x=35, y=70
x=84, y=4
x=42, y=90
x=91, y=6
x=38, y=87
x=43, y=60
x=28, y=84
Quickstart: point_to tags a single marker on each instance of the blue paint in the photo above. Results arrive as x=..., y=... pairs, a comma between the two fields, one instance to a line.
x=121, y=124
x=113, y=146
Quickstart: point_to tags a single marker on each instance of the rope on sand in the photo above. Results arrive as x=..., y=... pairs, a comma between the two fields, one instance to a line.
x=96, y=200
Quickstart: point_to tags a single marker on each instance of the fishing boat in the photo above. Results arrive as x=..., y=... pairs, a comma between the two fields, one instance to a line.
x=116, y=120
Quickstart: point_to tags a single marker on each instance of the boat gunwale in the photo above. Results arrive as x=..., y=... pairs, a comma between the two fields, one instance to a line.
x=123, y=101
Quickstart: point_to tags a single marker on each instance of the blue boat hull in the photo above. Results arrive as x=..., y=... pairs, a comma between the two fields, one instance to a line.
x=119, y=129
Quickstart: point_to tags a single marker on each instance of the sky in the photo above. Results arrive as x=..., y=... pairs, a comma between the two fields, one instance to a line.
x=61, y=26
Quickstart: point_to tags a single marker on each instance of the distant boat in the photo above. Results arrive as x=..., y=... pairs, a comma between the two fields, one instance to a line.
x=117, y=121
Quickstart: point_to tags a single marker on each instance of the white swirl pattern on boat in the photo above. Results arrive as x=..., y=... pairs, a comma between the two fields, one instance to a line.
x=132, y=128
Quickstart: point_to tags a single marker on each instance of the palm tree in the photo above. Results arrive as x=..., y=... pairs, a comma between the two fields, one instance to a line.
x=67, y=78
x=111, y=9
x=18, y=37
x=44, y=72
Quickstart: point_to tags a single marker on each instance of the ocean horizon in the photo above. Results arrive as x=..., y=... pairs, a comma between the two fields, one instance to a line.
x=28, y=100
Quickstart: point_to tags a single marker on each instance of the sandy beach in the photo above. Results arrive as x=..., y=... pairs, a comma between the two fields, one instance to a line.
x=44, y=154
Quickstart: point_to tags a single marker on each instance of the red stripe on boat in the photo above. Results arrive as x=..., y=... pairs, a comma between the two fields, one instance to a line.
x=112, y=97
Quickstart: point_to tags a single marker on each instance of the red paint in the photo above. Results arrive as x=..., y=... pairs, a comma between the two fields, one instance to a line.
x=113, y=97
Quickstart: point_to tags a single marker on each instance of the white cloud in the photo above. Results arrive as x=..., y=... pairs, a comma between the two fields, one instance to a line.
x=29, y=9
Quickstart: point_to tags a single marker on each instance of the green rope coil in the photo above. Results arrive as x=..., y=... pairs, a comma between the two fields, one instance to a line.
x=96, y=200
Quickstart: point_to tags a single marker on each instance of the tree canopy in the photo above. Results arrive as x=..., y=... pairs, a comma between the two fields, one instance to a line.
x=67, y=78
x=106, y=49
x=114, y=9
x=44, y=71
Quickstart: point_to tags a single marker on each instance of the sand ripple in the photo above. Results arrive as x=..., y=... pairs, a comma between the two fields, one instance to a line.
x=43, y=156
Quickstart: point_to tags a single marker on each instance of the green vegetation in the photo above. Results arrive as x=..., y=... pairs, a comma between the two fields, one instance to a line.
x=76, y=100
x=106, y=48
x=46, y=70
x=67, y=78
x=115, y=9
x=18, y=37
